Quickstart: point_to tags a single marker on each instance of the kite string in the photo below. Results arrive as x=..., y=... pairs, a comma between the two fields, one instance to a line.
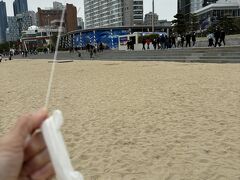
x=54, y=60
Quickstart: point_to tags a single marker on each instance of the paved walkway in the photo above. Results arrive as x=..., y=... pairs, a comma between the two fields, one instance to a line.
x=203, y=55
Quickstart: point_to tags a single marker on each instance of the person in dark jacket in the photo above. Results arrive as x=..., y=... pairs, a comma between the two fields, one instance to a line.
x=173, y=40
x=194, y=38
x=188, y=40
x=222, y=37
x=144, y=43
x=182, y=40
x=162, y=41
x=154, y=42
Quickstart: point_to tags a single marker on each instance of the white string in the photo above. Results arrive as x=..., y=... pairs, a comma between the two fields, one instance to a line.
x=54, y=60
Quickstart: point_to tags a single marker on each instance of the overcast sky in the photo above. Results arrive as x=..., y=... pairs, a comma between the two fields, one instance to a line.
x=166, y=9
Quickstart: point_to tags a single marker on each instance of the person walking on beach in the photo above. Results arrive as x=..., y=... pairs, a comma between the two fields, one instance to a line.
x=162, y=41
x=10, y=55
x=101, y=47
x=182, y=40
x=179, y=41
x=222, y=37
x=158, y=43
x=217, y=36
x=154, y=42
x=144, y=43
x=128, y=45
x=188, y=40
x=166, y=42
x=173, y=40
x=194, y=38
x=210, y=40
x=148, y=43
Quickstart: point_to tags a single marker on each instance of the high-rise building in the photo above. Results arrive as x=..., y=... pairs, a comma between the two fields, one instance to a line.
x=70, y=17
x=58, y=5
x=102, y=13
x=3, y=22
x=25, y=20
x=148, y=18
x=33, y=16
x=105, y=13
x=184, y=7
x=19, y=23
x=132, y=12
x=13, y=33
x=20, y=6
x=46, y=17
x=80, y=23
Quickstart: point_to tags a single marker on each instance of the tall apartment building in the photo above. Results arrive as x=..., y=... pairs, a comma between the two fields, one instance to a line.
x=47, y=16
x=3, y=22
x=20, y=6
x=132, y=12
x=148, y=18
x=100, y=13
x=105, y=13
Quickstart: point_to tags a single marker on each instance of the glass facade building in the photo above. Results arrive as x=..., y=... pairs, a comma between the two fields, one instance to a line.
x=20, y=6
x=13, y=33
x=3, y=22
x=211, y=14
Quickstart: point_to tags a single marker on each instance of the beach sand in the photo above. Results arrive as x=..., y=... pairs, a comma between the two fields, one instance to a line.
x=136, y=120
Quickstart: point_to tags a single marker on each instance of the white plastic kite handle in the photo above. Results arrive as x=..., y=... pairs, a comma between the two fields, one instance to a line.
x=57, y=149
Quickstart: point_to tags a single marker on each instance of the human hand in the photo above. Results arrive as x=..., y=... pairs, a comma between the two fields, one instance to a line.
x=23, y=152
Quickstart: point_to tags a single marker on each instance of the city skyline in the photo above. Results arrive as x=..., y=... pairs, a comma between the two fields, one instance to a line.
x=164, y=11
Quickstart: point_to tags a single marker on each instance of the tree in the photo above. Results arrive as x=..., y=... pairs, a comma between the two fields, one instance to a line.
x=4, y=47
x=231, y=25
x=194, y=22
x=179, y=24
x=236, y=22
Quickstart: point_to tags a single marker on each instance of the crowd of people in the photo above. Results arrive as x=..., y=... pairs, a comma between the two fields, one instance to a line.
x=7, y=55
x=93, y=49
x=217, y=38
x=173, y=41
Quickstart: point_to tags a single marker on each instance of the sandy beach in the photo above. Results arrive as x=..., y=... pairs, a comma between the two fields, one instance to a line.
x=136, y=120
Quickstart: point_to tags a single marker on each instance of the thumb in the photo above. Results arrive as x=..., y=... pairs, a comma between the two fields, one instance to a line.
x=28, y=124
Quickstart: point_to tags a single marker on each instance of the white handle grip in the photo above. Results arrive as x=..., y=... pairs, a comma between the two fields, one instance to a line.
x=57, y=149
